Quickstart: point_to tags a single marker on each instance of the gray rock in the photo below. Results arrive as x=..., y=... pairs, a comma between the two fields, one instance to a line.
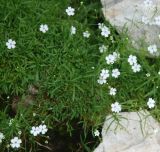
x=128, y=13
x=110, y=3
x=131, y=132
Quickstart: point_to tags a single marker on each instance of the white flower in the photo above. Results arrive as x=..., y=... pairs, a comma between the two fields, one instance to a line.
x=151, y=103
x=136, y=68
x=132, y=60
x=35, y=131
x=105, y=31
x=100, y=25
x=11, y=44
x=152, y=49
x=104, y=73
x=159, y=72
x=43, y=28
x=157, y=20
x=86, y=34
x=148, y=3
x=96, y=133
x=112, y=91
x=73, y=30
x=15, y=142
x=43, y=129
x=115, y=73
x=101, y=80
x=70, y=11
x=1, y=137
x=145, y=20
x=148, y=75
x=102, y=48
x=103, y=76
x=110, y=59
x=116, y=107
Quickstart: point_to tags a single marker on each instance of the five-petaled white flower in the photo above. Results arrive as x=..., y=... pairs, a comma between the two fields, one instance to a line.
x=152, y=49
x=151, y=103
x=43, y=129
x=43, y=28
x=103, y=76
x=116, y=107
x=101, y=80
x=15, y=142
x=132, y=60
x=136, y=68
x=73, y=30
x=105, y=31
x=104, y=73
x=115, y=73
x=1, y=137
x=112, y=91
x=70, y=11
x=110, y=59
x=102, y=48
x=96, y=133
x=11, y=44
x=86, y=34
x=35, y=131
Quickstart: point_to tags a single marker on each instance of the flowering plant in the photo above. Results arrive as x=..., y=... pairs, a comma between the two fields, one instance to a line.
x=61, y=64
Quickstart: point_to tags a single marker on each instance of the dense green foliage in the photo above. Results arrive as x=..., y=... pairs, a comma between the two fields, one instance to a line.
x=64, y=68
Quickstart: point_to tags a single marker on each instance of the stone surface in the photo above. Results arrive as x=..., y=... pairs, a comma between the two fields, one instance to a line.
x=133, y=132
x=128, y=13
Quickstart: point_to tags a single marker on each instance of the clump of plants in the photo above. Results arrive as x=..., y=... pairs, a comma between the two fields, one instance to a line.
x=63, y=66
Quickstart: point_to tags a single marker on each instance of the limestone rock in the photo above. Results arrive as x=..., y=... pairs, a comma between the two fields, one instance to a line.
x=129, y=13
x=131, y=132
